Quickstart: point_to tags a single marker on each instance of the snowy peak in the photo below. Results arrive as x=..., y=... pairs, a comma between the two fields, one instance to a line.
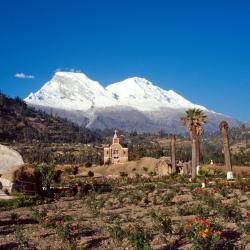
x=144, y=95
x=70, y=91
x=75, y=91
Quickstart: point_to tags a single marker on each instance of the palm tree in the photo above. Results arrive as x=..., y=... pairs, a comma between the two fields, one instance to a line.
x=173, y=153
x=193, y=120
x=199, y=131
x=224, y=135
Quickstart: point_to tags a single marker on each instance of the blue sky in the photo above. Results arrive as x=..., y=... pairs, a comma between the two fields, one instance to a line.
x=201, y=49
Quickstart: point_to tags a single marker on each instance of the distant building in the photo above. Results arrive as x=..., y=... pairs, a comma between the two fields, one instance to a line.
x=115, y=153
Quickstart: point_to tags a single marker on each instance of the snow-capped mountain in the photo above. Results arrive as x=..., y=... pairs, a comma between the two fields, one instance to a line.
x=75, y=91
x=141, y=94
x=132, y=104
x=71, y=91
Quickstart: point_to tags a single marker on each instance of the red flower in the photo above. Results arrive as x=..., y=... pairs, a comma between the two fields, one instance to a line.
x=248, y=215
x=59, y=222
x=196, y=219
x=218, y=232
x=205, y=222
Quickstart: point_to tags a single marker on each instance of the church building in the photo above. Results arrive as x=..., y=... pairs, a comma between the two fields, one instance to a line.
x=115, y=153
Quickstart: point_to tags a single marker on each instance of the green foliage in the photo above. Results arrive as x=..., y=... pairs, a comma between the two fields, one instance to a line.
x=123, y=174
x=20, y=201
x=138, y=237
x=203, y=235
x=196, y=209
x=93, y=204
x=50, y=220
x=48, y=173
x=116, y=232
x=230, y=212
x=152, y=173
x=23, y=242
x=68, y=233
x=162, y=223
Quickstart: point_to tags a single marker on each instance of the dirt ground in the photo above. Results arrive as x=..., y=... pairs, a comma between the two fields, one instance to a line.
x=131, y=201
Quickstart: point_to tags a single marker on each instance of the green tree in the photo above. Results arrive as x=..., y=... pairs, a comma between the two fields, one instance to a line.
x=47, y=172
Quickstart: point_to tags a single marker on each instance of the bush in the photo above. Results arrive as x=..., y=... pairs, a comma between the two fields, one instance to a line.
x=123, y=174
x=202, y=234
x=138, y=237
x=197, y=209
x=230, y=212
x=91, y=174
x=88, y=164
x=94, y=205
x=162, y=223
x=48, y=173
x=116, y=232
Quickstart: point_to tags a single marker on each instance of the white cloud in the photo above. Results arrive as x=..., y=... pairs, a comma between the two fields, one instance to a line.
x=24, y=76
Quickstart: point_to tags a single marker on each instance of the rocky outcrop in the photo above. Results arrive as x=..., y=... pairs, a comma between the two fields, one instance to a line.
x=9, y=159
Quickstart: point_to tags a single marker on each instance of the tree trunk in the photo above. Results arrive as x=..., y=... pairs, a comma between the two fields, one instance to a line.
x=173, y=153
x=198, y=151
x=226, y=146
x=194, y=153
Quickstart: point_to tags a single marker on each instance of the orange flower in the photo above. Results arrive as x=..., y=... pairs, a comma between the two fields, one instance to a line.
x=46, y=220
x=187, y=225
x=203, y=234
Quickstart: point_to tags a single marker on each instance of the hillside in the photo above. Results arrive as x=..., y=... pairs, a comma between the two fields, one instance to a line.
x=21, y=123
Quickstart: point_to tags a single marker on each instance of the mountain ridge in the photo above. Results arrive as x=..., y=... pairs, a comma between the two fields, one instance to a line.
x=132, y=104
x=78, y=92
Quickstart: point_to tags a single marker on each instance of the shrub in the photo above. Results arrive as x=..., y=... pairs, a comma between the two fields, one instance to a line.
x=246, y=226
x=68, y=232
x=50, y=220
x=88, y=164
x=202, y=234
x=138, y=237
x=94, y=205
x=48, y=173
x=23, y=242
x=90, y=174
x=167, y=199
x=123, y=174
x=230, y=212
x=116, y=232
x=162, y=223
x=197, y=209
x=152, y=173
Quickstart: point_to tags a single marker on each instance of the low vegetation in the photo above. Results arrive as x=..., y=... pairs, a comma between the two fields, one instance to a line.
x=132, y=213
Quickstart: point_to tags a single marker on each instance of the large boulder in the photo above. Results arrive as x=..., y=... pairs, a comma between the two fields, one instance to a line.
x=163, y=166
x=9, y=159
